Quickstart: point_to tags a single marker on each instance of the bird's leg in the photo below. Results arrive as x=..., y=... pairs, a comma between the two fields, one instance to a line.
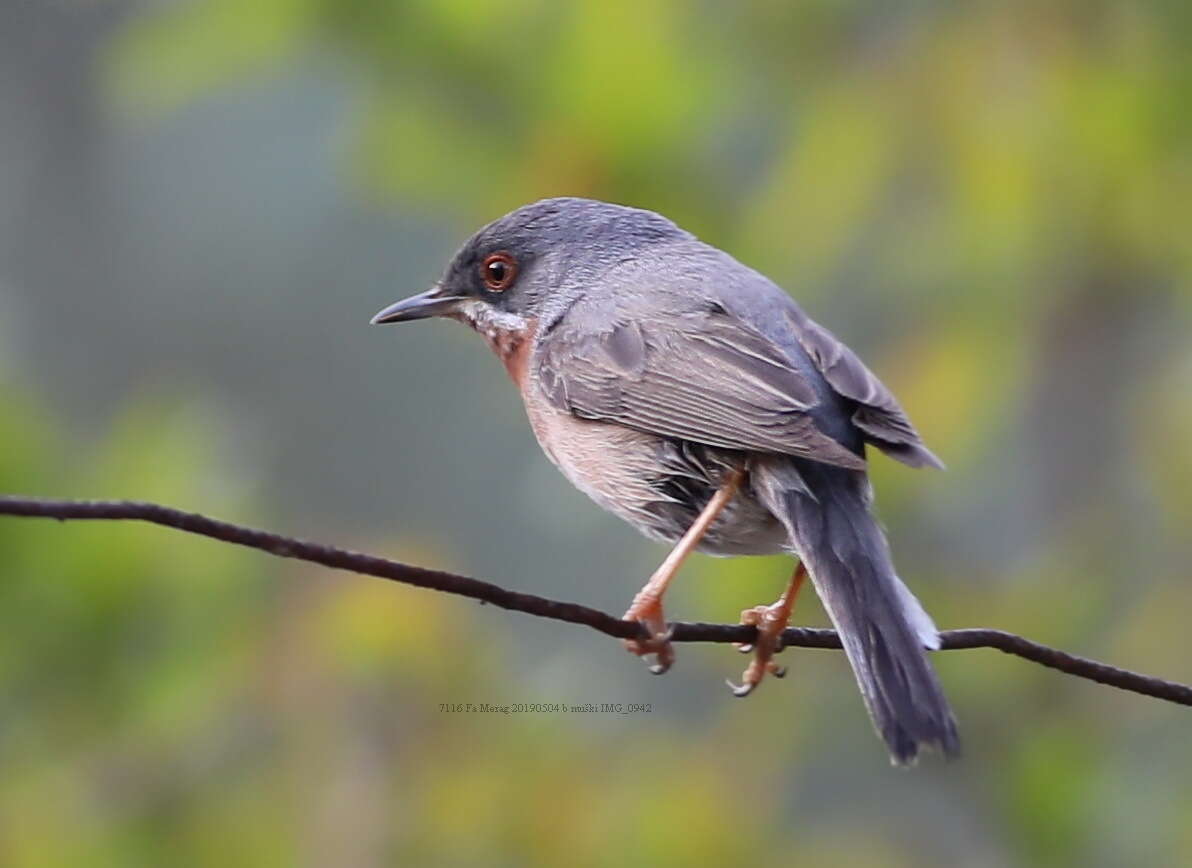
x=647, y=605
x=770, y=621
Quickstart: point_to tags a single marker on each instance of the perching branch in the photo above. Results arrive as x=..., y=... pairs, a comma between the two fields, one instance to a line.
x=486, y=592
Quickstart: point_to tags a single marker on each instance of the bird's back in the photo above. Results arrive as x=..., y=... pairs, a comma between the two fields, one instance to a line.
x=688, y=278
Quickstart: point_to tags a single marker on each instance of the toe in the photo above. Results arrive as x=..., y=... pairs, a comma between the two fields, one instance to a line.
x=769, y=621
x=658, y=643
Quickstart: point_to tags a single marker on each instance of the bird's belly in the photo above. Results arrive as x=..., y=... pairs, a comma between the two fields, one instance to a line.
x=654, y=484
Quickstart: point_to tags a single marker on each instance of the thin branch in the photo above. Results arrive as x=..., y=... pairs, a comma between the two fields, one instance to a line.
x=486, y=592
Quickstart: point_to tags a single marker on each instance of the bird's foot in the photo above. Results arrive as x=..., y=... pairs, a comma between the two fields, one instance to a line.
x=770, y=621
x=647, y=610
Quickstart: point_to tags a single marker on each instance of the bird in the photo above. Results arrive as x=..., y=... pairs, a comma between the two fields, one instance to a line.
x=692, y=397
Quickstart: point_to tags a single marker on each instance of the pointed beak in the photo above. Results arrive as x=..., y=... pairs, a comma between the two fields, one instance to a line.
x=433, y=302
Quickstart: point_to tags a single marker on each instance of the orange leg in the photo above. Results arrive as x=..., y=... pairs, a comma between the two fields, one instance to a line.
x=770, y=621
x=647, y=605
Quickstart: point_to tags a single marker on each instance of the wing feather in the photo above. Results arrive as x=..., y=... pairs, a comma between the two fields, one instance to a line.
x=879, y=415
x=707, y=378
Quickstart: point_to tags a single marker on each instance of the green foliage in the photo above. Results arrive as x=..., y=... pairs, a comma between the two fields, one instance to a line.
x=998, y=191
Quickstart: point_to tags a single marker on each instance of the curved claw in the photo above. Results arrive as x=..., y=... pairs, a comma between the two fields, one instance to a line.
x=658, y=645
x=648, y=613
x=769, y=621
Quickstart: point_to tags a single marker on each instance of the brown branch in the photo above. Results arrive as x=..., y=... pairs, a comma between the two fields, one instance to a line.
x=486, y=592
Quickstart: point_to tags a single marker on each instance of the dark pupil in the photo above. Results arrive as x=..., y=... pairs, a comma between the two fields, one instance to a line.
x=496, y=272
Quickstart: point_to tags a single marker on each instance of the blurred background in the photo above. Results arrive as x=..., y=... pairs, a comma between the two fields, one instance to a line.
x=202, y=204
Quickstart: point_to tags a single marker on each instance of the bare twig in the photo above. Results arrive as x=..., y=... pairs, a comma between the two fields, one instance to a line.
x=486, y=592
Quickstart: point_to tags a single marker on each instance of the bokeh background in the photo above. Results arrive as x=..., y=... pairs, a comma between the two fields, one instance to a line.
x=202, y=203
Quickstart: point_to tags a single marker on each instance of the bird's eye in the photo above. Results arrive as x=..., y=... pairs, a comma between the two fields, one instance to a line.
x=498, y=271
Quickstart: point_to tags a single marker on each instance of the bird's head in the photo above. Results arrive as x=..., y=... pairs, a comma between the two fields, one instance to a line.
x=531, y=264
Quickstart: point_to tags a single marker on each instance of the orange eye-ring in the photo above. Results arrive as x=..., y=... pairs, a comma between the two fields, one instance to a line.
x=498, y=272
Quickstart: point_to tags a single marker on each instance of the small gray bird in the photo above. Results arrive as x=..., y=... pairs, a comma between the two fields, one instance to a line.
x=689, y=395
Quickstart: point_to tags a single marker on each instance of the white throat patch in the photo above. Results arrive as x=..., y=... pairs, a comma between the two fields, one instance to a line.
x=489, y=321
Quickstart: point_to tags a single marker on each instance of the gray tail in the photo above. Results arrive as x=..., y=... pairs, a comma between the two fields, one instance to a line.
x=882, y=626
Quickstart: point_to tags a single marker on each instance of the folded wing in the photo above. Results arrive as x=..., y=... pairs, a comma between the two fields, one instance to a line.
x=705, y=378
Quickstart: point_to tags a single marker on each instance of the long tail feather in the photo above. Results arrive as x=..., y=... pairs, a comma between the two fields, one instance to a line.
x=882, y=626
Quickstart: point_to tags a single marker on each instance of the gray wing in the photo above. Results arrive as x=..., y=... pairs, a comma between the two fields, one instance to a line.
x=707, y=378
x=878, y=415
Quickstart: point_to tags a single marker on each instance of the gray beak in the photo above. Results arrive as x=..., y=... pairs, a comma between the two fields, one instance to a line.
x=425, y=304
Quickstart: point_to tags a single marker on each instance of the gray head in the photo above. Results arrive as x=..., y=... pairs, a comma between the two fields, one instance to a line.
x=518, y=266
